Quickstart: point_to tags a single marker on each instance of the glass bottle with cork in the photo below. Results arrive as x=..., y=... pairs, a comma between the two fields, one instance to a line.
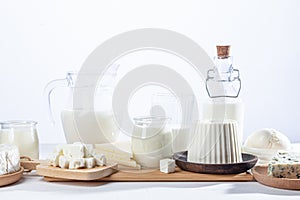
x=223, y=85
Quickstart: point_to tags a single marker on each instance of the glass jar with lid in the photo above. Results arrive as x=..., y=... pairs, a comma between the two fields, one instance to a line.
x=23, y=134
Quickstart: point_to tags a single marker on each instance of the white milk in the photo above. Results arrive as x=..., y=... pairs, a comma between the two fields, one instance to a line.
x=150, y=145
x=218, y=110
x=180, y=137
x=26, y=140
x=88, y=126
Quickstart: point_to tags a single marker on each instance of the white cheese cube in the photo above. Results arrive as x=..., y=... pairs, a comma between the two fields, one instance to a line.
x=167, y=165
x=90, y=162
x=54, y=158
x=76, y=163
x=74, y=150
x=100, y=159
x=64, y=162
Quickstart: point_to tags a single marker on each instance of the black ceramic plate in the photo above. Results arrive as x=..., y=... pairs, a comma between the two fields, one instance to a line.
x=249, y=161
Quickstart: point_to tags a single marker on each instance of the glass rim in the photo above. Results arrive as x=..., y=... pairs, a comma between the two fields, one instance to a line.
x=17, y=123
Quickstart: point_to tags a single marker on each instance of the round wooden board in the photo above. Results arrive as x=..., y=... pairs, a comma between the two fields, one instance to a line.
x=11, y=178
x=260, y=174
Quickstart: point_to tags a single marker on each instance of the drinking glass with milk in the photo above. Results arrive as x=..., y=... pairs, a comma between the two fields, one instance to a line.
x=151, y=141
x=87, y=115
x=180, y=110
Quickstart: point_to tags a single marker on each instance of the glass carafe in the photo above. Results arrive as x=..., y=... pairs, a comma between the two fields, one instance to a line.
x=92, y=124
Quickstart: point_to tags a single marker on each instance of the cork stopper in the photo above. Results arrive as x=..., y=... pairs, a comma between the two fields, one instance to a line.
x=223, y=51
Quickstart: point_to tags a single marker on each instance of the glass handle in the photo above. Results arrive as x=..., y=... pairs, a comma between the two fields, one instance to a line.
x=48, y=93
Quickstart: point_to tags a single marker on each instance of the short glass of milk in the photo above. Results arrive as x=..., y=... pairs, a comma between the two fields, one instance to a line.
x=151, y=141
x=23, y=134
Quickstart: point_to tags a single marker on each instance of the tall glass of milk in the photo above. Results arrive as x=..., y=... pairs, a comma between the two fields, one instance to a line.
x=151, y=141
x=23, y=134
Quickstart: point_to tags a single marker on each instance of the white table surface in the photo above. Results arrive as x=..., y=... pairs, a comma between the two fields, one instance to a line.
x=33, y=187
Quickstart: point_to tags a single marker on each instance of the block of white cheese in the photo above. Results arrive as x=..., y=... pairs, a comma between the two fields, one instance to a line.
x=167, y=165
x=285, y=165
x=76, y=156
x=118, y=152
x=9, y=159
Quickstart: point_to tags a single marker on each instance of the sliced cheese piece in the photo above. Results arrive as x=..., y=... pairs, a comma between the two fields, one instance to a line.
x=118, y=152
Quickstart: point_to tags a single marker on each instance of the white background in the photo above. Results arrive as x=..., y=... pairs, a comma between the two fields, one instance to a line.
x=41, y=40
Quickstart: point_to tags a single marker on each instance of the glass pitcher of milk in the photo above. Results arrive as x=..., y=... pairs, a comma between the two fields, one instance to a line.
x=92, y=124
x=223, y=86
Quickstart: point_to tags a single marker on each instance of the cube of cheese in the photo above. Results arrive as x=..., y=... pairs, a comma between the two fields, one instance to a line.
x=74, y=150
x=284, y=165
x=64, y=162
x=76, y=163
x=90, y=162
x=167, y=165
x=100, y=159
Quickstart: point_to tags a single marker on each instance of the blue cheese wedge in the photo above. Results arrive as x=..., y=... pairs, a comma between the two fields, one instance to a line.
x=285, y=165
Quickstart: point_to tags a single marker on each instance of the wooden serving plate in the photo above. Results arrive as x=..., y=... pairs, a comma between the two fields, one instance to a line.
x=260, y=174
x=134, y=175
x=8, y=179
x=249, y=161
x=77, y=174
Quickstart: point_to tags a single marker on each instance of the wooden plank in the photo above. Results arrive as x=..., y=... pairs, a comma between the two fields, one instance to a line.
x=157, y=176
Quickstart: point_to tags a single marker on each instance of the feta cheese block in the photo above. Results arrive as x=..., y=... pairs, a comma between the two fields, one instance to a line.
x=76, y=156
x=285, y=165
x=9, y=159
x=167, y=165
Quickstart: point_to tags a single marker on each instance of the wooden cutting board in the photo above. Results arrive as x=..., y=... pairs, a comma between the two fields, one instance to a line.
x=77, y=174
x=157, y=176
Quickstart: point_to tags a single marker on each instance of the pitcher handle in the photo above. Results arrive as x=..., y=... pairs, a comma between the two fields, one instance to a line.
x=47, y=93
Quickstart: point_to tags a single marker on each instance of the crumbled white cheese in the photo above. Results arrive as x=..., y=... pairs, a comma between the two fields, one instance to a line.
x=9, y=159
x=76, y=156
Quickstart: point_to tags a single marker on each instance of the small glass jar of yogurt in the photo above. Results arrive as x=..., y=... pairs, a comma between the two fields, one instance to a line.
x=23, y=134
